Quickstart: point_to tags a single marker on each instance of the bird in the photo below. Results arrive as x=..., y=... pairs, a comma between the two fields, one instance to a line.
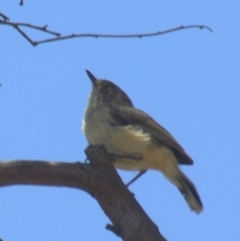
x=135, y=139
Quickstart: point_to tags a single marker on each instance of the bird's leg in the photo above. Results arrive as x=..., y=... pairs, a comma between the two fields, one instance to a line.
x=136, y=177
x=134, y=156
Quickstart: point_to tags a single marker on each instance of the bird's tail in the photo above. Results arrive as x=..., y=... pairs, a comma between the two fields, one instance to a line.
x=188, y=190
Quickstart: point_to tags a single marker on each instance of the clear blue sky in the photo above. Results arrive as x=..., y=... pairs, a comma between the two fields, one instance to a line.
x=189, y=81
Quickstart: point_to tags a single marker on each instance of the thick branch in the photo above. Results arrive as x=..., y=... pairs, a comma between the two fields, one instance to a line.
x=99, y=179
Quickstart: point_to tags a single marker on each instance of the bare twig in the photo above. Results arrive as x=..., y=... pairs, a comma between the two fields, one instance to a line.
x=58, y=37
x=5, y=18
x=24, y=35
x=143, y=35
x=18, y=25
x=21, y=3
x=43, y=28
x=114, y=229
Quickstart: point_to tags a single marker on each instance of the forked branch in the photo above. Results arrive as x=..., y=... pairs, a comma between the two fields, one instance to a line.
x=57, y=36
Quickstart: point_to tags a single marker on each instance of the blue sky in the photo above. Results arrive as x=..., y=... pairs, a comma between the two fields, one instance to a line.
x=189, y=81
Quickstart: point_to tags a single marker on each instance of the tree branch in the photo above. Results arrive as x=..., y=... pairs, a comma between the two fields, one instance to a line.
x=99, y=179
x=58, y=37
x=5, y=18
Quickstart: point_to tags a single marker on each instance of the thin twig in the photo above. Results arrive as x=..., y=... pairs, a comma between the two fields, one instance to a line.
x=122, y=35
x=43, y=28
x=88, y=35
x=24, y=35
x=5, y=18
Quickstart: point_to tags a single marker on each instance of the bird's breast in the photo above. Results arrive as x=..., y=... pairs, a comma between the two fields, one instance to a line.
x=117, y=139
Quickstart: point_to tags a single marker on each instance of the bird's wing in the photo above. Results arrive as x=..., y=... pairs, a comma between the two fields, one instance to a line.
x=129, y=116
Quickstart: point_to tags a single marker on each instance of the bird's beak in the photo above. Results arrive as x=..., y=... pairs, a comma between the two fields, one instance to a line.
x=92, y=77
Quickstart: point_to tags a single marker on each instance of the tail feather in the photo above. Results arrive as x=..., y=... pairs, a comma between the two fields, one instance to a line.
x=189, y=191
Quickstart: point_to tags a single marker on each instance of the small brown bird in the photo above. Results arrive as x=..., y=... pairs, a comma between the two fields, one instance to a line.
x=135, y=139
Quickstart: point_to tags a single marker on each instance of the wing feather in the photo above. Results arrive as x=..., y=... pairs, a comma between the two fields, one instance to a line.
x=128, y=116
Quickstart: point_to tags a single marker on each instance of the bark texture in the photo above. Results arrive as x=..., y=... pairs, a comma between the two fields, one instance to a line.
x=98, y=178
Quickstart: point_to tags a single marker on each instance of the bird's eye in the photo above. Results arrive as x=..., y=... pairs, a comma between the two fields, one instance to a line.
x=104, y=89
